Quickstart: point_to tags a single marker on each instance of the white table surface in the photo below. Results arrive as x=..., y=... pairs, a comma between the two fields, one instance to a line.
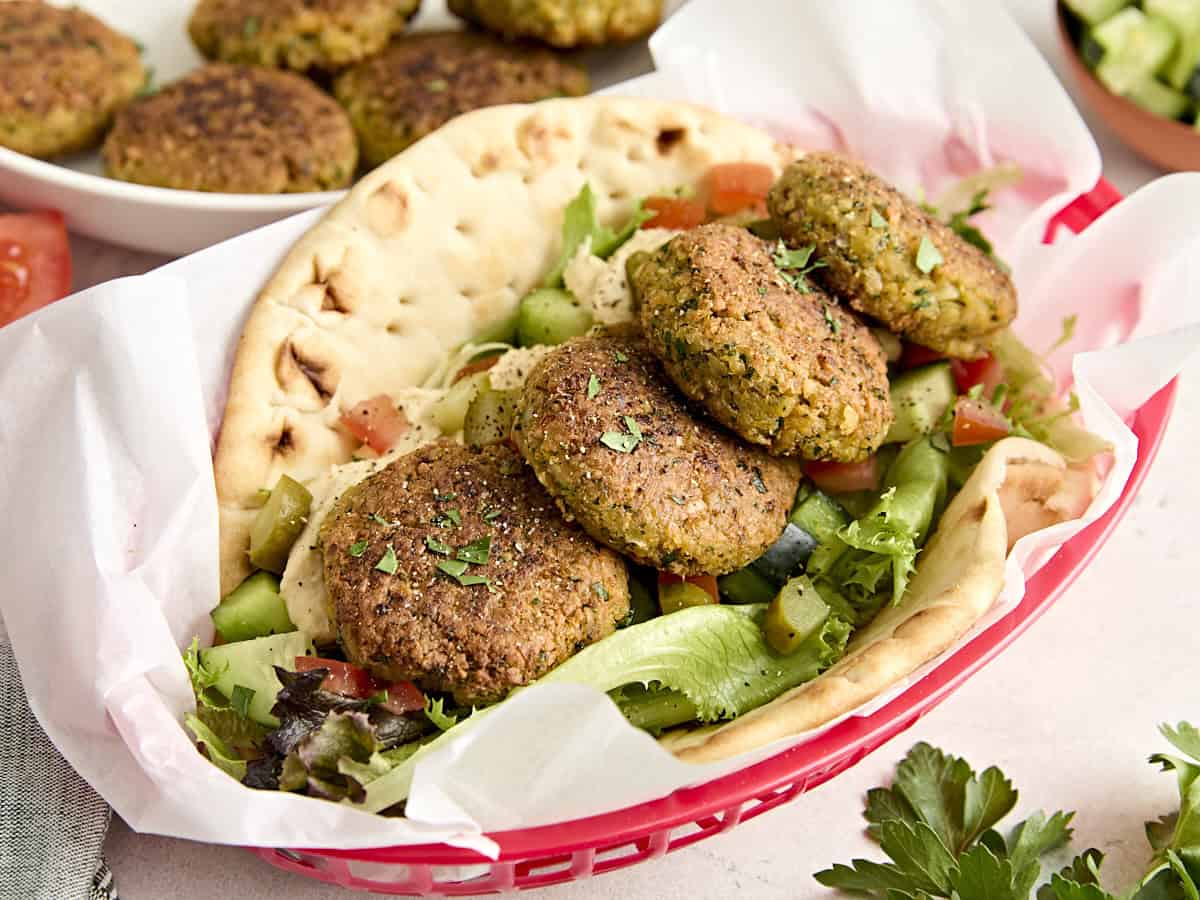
x=1069, y=712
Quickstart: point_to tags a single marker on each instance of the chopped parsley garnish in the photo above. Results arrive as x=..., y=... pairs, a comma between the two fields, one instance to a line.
x=455, y=568
x=492, y=515
x=476, y=552
x=834, y=325
x=623, y=443
x=620, y=357
x=679, y=501
x=438, y=546
x=378, y=519
x=388, y=563
x=442, y=497
x=928, y=256
x=240, y=699
x=471, y=580
x=593, y=387
x=757, y=481
x=437, y=85
x=358, y=548
x=794, y=265
x=878, y=221
x=600, y=590
x=632, y=425
x=451, y=517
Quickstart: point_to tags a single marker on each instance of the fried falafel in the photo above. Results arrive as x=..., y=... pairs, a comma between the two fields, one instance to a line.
x=63, y=75
x=451, y=567
x=563, y=23
x=891, y=260
x=240, y=129
x=788, y=370
x=423, y=80
x=616, y=445
x=297, y=34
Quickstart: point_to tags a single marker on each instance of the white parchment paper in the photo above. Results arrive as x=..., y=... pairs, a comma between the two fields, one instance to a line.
x=111, y=400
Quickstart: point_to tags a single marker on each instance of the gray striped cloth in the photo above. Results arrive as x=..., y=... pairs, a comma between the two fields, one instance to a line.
x=52, y=824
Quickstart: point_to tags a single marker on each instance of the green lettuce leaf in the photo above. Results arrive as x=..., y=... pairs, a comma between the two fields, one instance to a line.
x=580, y=224
x=204, y=679
x=1175, y=868
x=337, y=760
x=216, y=749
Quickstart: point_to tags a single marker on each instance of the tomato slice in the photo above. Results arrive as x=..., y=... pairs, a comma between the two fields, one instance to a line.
x=35, y=263
x=479, y=365
x=403, y=697
x=976, y=422
x=377, y=423
x=678, y=213
x=707, y=582
x=733, y=187
x=844, y=478
x=915, y=355
x=968, y=373
x=344, y=678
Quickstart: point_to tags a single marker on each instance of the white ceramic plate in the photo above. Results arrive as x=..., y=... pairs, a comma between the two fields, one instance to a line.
x=178, y=222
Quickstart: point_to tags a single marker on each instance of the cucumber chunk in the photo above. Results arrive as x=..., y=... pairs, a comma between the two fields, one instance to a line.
x=551, y=316
x=679, y=595
x=250, y=664
x=920, y=397
x=450, y=410
x=1096, y=11
x=490, y=415
x=795, y=613
x=252, y=609
x=786, y=555
x=822, y=517
x=1135, y=43
x=1155, y=97
x=278, y=524
x=746, y=586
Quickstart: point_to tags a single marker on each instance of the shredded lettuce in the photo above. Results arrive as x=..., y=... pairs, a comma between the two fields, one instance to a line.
x=204, y=678
x=436, y=713
x=580, y=225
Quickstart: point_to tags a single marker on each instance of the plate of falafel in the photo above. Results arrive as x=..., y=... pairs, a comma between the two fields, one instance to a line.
x=170, y=126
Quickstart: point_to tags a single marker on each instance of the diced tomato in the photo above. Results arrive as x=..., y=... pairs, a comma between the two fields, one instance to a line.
x=844, y=478
x=403, y=697
x=675, y=212
x=344, y=678
x=707, y=582
x=479, y=365
x=377, y=423
x=918, y=355
x=968, y=373
x=976, y=422
x=733, y=187
x=35, y=263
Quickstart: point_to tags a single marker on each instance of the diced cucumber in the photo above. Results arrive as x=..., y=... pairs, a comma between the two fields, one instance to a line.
x=783, y=558
x=253, y=609
x=1135, y=42
x=450, y=410
x=920, y=460
x=490, y=415
x=1192, y=89
x=746, y=586
x=1155, y=97
x=1095, y=11
x=551, y=316
x=278, y=524
x=1183, y=14
x=250, y=664
x=822, y=517
x=794, y=614
x=920, y=397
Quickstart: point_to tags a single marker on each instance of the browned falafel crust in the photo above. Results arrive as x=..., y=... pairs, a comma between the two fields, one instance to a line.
x=239, y=129
x=63, y=74
x=831, y=202
x=297, y=34
x=424, y=80
x=563, y=23
x=688, y=497
x=551, y=590
x=787, y=370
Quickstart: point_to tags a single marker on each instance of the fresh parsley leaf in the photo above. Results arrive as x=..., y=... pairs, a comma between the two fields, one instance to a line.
x=580, y=224
x=455, y=568
x=928, y=256
x=476, y=552
x=981, y=875
x=241, y=698
x=593, y=386
x=438, y=546
x=622, y=443
x=1030, y=841
x=357, y=549
x=918, y=852
x=794, y=265
x=472, y=580
x=867, y=877
x=388, y=562
x=632, y=425
x=600, y=590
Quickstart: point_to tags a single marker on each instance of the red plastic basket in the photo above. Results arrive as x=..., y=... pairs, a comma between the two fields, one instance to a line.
x=537, y=857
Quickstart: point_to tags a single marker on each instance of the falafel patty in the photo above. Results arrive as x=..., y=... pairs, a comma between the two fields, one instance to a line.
x=396, y=546
x=241, y=129
x=297, y=34
x=423, y=80
x=63, y=74
x=612, y=441
x=563, y=23
x=891, y=260
x=791, y=371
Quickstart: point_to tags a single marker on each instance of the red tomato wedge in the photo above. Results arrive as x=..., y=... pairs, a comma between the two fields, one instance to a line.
x=915, y=355
x=733, y=187
x=674, y=212
x=844, y=478
x=344, y=678
x=376, y=422
x=403, y=697
x=35, y=263
x=707, y=582
x=479, y=365
x=976, y=422
x=968, y=373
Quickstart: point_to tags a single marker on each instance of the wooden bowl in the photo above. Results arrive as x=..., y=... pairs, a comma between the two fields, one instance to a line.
x=1165, y=142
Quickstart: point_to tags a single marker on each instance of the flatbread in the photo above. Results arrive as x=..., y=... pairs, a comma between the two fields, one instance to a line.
x=1020, y=486
x=433, y=249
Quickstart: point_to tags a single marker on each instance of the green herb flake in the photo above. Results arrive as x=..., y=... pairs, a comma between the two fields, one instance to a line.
x=621, y=357
x=834, y=325
x=378, y=519
x=600, y=590
x=455, y=568
x=677, y=500
x=441, y=498
x=622, y=443
x=438, y=546
x=632, y=425
x=472, y=580
x=437, y=85
x=593, y=387
x=251, y=27
x=878, y=221
x=388, y=563
x=928, y=256
x=454, y=517
x=492, y=515
x=757, y=481
x=794, y=265
x=241, y=698
x=1068, y=331
x=476, y=552
x=358, y=548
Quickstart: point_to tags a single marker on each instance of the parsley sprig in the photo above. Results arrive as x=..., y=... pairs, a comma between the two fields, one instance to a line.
x=795, y=265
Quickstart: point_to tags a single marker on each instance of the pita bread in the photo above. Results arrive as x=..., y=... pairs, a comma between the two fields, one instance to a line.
x=1020, y=486
x=433, y=249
